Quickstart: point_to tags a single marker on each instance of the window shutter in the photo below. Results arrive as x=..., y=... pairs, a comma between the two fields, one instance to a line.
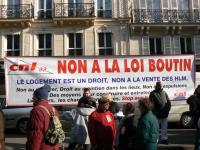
x=174, y=4
x=165, y=4
x=142, y=4
x=176, y=45
x=115, y=7
x=4, y=45
x=96, y=46
x=195, y=4
x=36, y=45
x=65, y=9
x=197, y=46
x=145, y=46
x=167, y=45
x=36, y=8
x=122, y=8
x=136, y=4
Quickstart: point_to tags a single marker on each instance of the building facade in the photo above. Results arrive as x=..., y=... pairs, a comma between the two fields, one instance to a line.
x=99, y=27
x=165, y=27
x=64, y=27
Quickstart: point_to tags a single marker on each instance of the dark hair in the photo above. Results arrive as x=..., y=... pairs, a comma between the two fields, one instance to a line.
x=129, y=108
x=158, y=83
x=114, y=107
x=86, y=89
x=146, y=104
x=88, y=102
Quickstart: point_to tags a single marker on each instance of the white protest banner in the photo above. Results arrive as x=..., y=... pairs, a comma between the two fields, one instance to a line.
x=127, y=78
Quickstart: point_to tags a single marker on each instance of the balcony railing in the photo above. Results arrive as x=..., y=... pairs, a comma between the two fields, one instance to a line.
x=165, y=16
x=74, y=10
x=16, y=11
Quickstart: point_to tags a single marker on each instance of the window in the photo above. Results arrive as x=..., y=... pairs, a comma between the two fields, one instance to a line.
x=13, y=45
x=105, y=44
x=183, y=4
x=75, y=44
x=184, y=13
x=44, y=45
x=186, y=45
x=155, y=45
x=75, y=7
x=153, y=4
x=44, y=8
x=153, y=10
x=13, y=8
x=104, y=8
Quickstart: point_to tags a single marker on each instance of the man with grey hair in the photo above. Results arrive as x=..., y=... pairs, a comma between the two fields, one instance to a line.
x=161, y=108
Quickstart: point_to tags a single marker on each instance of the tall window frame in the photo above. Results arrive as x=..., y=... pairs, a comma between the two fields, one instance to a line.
x=75, y=7
x=13, y=7
x=75, y=44
x=156, y=45
x=153, y=4
x=45, y=44
x=13, y=45
x=183, y=4
x=186, y=45
x=45, y=8
x=105, y=44
x=104, y=8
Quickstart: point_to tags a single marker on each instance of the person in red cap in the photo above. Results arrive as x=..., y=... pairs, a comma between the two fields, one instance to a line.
x=38, y=123
x=101, y=126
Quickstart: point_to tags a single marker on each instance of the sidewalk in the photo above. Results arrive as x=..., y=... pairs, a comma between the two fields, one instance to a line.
x=175, y=147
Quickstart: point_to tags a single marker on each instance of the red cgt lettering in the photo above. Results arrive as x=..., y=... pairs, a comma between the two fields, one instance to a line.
x=23, y=67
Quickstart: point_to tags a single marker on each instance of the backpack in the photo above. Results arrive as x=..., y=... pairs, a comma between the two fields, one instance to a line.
x=55, y=134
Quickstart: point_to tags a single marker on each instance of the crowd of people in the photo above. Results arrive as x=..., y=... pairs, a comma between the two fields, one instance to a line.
x=96, y=126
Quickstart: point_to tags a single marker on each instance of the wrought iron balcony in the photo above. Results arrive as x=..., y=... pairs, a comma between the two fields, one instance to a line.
x=71, y=10
x=16, y=11
x=165, y=16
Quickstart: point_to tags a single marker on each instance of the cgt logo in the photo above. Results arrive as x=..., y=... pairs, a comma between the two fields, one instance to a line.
x=23, y=67
x=182, y=94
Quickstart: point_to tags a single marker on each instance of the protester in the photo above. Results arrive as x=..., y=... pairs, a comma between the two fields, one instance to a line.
x=148, y=127
x=197, y=138
x=79, y=136
x=39, y=120
x=86, y=93
x=126, y=131
x=161, y=108
x=101, y=125
x=194, y=104
x=114, y=109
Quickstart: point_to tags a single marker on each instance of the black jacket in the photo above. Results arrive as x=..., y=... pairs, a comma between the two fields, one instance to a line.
x=127, y=133
x=161, y=103
x=194, y=104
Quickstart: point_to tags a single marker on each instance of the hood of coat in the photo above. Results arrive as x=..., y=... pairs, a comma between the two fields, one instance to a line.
x=85, y=111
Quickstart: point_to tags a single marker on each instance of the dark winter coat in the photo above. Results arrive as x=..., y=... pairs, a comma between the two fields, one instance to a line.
x=194, y=104
x=161, y=103
x=147, y=132
x=37, y=127
x=127, y=133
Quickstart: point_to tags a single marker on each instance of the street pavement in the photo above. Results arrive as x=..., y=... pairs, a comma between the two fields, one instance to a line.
x=179, y=139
